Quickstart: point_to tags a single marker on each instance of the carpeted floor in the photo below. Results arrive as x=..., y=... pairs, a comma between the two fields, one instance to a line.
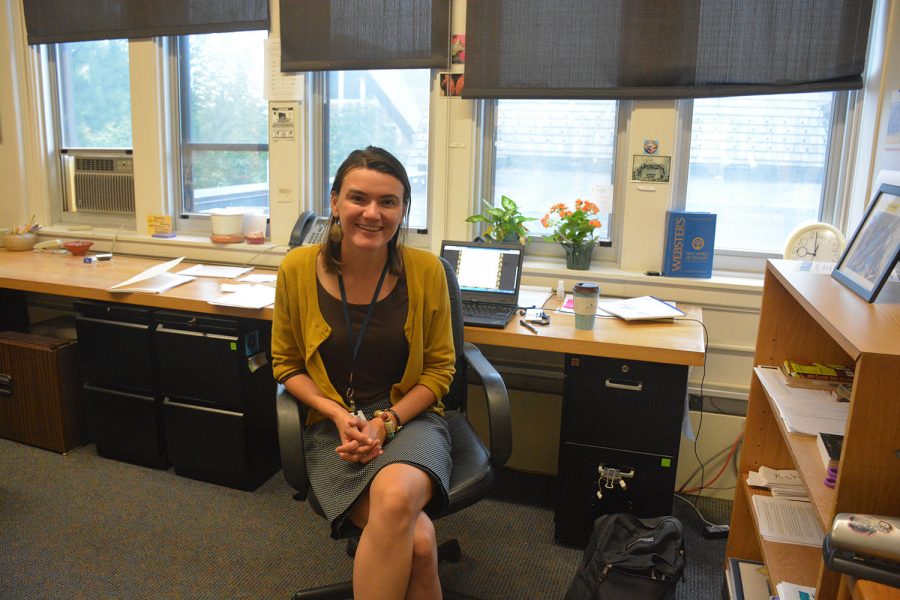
x=81, y=526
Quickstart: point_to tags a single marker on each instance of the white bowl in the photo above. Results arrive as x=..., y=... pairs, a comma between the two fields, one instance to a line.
x=227, y=221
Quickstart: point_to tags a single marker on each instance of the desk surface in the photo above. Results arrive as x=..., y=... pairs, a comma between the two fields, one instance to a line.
x=679, y=343
x=67, y=275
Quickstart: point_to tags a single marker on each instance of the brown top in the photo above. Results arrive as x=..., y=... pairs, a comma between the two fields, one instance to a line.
x=384, y=349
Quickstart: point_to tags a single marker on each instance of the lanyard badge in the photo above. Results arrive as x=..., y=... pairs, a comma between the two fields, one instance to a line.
x=356, y=340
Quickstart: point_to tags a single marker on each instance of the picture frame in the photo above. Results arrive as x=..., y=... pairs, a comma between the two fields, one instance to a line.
x=873, y=251
x=651, y=169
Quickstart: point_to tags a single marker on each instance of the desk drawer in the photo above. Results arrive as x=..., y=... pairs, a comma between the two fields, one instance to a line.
x=625, y=404
x=647, y=492
x=115, y=346
x=126, y=426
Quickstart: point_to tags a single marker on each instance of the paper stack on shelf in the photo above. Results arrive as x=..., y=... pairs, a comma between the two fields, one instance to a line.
x=803, y=411
x=784, y=483
x=787, y=521
x=747, y=580
x=792, y=591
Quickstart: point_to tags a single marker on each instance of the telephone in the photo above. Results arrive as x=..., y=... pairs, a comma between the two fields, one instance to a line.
x=309, y=229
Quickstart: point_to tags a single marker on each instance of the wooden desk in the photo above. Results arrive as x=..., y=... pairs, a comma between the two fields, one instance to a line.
x=678, y=343
x=67, y=275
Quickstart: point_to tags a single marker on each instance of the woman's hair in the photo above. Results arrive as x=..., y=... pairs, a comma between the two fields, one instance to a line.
x=377, y=159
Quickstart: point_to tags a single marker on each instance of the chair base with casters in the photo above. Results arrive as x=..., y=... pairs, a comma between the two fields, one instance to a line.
x=473, y=466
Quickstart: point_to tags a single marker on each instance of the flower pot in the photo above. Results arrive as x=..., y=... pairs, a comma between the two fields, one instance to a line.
x=578, y=257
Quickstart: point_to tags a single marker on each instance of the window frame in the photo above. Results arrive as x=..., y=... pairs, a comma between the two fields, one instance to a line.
x=180, y=123
x=606, y=252
x=831, y=202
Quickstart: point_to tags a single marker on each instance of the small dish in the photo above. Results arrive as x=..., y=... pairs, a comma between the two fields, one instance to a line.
x=77, y=247
x=17, y=242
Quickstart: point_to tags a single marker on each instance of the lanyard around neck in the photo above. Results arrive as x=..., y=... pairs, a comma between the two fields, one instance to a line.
x=356, y=340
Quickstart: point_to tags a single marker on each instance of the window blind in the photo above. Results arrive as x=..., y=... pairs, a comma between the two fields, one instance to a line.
x=647, y=49
x=321, y=35
x=57, y=21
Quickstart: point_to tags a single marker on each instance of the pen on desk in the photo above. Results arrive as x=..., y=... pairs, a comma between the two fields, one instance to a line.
x=525, y=323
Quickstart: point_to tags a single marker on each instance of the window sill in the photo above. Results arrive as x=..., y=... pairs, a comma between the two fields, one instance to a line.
x=192, y=246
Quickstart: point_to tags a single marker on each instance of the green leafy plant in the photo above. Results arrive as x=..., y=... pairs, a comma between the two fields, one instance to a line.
x=504, y=223
x=575, y=227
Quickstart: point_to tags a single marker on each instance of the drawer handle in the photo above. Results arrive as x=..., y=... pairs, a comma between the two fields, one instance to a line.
x=624, y=384
x=6, y=384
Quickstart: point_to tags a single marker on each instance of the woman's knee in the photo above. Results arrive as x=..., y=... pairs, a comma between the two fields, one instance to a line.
x=424, y=539
x=399, y=492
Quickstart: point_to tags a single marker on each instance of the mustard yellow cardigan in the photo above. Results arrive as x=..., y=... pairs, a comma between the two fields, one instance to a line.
x=298, y=328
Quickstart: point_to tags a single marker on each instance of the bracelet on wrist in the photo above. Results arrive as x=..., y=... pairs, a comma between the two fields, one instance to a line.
x=396, y=417
x=390, y=429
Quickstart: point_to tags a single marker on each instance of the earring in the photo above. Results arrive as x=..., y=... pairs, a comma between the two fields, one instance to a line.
x=335, y=233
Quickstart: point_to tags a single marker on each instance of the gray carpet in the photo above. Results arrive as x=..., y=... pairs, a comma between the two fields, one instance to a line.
x=81, y=526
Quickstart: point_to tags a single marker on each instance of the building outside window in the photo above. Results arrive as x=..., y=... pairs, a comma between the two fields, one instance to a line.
x=224, y=141
x=551, y=151
x=385, y=107
x=761, y=163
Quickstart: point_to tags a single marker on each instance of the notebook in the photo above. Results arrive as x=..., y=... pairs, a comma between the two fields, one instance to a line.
x=488, y=275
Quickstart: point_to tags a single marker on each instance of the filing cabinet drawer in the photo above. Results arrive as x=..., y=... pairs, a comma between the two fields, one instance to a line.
x=218, y=446
x=649, y=486
x=626, y=404
x=126, y=426
x=115, y=346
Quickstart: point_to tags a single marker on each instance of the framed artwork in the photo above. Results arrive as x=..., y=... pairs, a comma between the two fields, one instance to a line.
x=874, y=249
x=654, y=169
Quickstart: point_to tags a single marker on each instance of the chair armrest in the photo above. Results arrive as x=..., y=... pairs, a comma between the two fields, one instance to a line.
x=290, y=441
x=498, y=410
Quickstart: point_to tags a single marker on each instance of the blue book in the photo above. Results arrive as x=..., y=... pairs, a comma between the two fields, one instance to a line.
x=690, y=241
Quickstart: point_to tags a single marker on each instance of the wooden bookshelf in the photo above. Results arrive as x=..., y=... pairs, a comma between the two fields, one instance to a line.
x=810, y=317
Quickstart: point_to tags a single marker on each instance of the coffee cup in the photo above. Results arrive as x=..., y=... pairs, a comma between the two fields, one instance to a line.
x=585, y=295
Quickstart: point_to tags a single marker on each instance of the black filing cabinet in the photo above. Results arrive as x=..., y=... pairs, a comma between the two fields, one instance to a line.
x=620, y=431
x=117, y=364
x=215, y=377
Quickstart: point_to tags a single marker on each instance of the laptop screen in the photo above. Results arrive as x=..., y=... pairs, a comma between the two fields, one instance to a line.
x=486, y=272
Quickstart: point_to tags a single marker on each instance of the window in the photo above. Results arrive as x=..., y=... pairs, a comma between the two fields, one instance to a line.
x=550, y=151
x=92, y=74
x=386, y=108
x=224, y=143
x=761, y=163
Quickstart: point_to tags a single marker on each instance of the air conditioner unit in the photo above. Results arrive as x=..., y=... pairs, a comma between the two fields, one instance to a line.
x=99, y=183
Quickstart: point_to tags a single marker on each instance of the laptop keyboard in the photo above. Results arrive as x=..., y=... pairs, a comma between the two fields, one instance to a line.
x=483, y=309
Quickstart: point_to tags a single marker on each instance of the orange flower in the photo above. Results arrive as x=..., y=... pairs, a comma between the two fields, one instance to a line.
x=545, y=221
x=594, y=223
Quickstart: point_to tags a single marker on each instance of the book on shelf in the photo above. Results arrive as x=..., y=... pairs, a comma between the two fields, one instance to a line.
x=829, y=445
x=747, y=580
x=800, y=374
x=690, y=239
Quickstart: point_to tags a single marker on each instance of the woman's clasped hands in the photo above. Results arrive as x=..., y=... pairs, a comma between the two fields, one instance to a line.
x=361, y=440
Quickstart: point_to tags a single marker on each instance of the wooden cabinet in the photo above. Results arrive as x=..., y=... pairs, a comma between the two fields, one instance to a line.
x=812, y=318
x=38, y=392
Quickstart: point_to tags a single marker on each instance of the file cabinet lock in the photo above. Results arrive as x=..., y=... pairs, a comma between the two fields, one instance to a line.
x=610, y=476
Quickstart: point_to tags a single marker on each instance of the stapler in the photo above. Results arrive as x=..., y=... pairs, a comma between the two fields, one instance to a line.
x=54, y=246
x=865, y=546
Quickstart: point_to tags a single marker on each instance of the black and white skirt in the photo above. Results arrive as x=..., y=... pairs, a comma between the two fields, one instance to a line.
x=337, y=484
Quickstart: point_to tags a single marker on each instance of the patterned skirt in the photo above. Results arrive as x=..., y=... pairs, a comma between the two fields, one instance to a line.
x=424, y=442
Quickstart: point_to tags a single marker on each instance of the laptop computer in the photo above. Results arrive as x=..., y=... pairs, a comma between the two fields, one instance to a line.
x=488, y=275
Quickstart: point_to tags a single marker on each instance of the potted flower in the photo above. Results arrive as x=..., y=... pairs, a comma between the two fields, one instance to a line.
x=505, y=222
x=574, y=230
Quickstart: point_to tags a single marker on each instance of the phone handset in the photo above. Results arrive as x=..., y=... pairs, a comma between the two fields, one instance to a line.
x=308, y=229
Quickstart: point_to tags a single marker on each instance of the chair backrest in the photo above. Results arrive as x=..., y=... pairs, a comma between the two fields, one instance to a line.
x=455, y=399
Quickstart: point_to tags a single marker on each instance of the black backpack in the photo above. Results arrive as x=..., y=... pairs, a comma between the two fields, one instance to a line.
x=628, y=558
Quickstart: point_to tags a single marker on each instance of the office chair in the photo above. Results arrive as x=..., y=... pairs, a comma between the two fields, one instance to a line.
x=472, y=475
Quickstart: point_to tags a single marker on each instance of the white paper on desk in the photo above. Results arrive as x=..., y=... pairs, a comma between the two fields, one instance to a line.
x=785, y=521
x=259, y=278
x=155, y=280
x=215, y=271
x=803, y=411
x=256, y=296
x=642, y=308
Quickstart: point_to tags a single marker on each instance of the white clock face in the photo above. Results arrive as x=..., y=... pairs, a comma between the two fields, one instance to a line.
x=820, y=243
